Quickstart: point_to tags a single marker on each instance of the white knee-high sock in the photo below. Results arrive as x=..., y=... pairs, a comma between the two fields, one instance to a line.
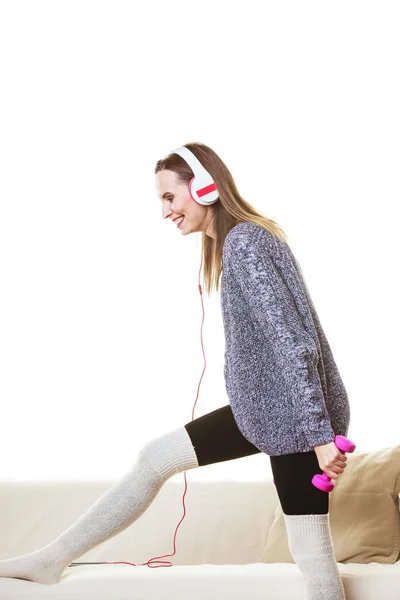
x=118, y=508
x=311, y=545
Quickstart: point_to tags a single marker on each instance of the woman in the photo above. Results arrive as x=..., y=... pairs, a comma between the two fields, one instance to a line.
x=286, y=397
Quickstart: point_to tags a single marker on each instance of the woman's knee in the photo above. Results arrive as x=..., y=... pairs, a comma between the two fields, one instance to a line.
x=170, y=453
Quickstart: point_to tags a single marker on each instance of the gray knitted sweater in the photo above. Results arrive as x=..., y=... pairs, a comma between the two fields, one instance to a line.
x=281, y=379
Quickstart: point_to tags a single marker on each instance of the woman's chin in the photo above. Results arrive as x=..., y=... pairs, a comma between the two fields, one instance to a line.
x=183, y=226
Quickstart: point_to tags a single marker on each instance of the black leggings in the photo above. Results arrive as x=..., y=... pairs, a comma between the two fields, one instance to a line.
x=216, y=438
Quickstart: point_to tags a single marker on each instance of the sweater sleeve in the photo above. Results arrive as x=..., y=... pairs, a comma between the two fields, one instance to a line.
x=272, y=305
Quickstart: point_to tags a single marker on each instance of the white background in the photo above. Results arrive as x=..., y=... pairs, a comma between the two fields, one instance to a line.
x=100, y=312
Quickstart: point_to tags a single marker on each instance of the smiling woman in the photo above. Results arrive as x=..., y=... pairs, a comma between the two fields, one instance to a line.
x=285, y=392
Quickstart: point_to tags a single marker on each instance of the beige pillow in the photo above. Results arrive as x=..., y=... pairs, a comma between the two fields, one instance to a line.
x=364, y=512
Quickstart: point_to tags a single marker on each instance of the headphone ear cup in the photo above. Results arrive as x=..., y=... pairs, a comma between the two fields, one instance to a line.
x=192, y=184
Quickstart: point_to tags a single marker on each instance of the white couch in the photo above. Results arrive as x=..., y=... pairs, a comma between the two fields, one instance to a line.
x=219, y=546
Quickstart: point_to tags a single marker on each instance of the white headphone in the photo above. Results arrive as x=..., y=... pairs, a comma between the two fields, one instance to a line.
x=201, y=187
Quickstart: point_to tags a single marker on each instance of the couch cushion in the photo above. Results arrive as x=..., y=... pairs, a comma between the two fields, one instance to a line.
x=256, y=581
x=364, y=512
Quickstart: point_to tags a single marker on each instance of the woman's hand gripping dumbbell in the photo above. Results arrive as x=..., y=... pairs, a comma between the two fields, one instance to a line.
x=331, y=458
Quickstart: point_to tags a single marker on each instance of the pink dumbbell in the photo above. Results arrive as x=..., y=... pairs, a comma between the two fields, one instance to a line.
x=322, y=481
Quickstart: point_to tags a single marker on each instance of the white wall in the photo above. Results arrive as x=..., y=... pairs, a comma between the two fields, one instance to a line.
x=100, y=312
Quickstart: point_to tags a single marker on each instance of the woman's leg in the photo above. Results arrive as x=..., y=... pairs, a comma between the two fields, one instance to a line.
x=216, y=437
x=210, y=438
x=306, y=514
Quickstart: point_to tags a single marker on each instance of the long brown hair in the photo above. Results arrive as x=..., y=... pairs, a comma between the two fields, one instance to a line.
x=229, y=210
